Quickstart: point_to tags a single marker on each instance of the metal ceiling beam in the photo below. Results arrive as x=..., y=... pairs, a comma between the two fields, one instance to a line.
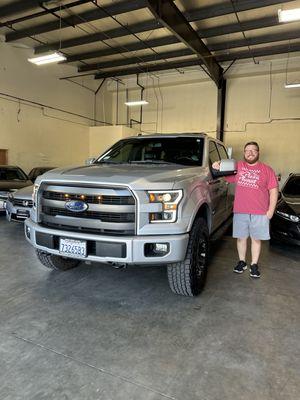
x=90, y=15
x=295, y=34
x=192, y=16
x=172, y=18
x=41, y=13
x=151, y=68
x=128, y=47
x=265, y=51
x=203, y=33
x=136, y=60
x=20, y=6
x=142, y=27
x=252, y=41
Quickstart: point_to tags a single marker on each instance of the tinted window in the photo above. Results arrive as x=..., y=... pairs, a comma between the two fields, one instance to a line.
x=12, y=174
x=213, y=153
x=292, y=187
x=179, y=150
x=222, y=151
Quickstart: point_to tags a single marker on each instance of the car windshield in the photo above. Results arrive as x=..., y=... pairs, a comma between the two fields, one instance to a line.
x=12, y=174
x=292, y=187
x=186, y=151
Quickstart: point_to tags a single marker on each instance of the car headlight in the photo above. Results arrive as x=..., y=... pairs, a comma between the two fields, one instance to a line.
x=34, y=195
x=169, y=200
x=290, y=217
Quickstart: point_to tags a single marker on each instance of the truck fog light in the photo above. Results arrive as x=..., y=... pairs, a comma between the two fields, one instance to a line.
x=156, y=249
x=27, y=232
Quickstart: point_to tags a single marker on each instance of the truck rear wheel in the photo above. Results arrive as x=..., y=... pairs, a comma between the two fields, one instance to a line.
x=188, y=276
x=52, y=261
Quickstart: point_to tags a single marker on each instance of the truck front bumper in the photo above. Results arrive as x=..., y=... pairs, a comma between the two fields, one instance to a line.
x=111, y=249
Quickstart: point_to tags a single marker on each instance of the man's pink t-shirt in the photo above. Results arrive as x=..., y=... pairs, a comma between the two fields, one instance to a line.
x=253, y=183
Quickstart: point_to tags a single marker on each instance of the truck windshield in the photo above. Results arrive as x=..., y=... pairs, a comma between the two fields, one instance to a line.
x=186, y=151
x=12, y=174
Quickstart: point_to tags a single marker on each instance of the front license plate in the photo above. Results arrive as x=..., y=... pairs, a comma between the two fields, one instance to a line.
x=74, y=248
x=23, y=213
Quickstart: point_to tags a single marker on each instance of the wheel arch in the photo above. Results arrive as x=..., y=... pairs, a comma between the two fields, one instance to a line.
x=203, y=211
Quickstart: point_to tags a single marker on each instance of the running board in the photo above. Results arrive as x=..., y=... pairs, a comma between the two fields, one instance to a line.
x=217, y=234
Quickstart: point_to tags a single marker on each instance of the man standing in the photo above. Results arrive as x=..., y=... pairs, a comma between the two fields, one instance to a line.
x=255, y=200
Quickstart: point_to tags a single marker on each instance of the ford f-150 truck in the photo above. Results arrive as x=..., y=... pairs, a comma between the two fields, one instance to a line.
x=147, y=200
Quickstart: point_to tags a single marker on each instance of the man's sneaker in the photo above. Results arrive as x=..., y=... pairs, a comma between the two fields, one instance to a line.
x=254, y=272
x=240, y=268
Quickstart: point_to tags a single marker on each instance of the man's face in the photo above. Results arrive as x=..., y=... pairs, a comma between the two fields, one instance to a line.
x=251, y=154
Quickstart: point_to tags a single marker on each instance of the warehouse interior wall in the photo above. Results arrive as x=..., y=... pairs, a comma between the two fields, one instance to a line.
x=258, y=107
x=42, y=136
x=102, y=137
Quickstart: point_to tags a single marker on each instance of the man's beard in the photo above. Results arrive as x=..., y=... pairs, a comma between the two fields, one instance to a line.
x=252, y=161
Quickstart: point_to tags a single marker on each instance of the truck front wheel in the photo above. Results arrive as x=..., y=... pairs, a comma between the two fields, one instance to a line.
x=188, y=276
x=52, y=261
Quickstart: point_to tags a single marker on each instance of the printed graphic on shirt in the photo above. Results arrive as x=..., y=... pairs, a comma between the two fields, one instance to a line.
x=248, y=178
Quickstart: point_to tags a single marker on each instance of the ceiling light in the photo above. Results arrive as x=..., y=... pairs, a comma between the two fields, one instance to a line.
x=49, y=58
x=136, y=103
x=291, y=85
x=289, y=15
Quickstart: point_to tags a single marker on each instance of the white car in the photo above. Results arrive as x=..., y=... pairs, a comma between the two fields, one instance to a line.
x=12, y=178
x=19, y=204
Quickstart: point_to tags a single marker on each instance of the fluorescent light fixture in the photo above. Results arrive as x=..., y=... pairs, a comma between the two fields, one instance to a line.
x=136, y=103
x=289, y=15
x=291, y=85
x=49, y=58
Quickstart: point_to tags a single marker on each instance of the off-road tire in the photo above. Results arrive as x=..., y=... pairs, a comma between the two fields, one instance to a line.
x=188, y=276
x=58, y=263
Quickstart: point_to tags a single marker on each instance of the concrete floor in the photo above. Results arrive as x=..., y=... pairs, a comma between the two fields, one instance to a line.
x=100, y=333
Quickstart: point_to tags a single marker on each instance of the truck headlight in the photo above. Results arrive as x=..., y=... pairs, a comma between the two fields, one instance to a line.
x=169, y=200
x=34, y=195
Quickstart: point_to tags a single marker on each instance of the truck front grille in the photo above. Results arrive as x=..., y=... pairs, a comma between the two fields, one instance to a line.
x=22, y=203
x=102, y=216
x=99, y=199
x=110, y=211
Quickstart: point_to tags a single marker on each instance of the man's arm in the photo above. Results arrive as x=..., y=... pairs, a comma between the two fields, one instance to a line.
x=273, y=193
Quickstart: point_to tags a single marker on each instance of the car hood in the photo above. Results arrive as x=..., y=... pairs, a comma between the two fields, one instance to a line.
x=290, y=205
x=25, y=193
x=6, y=186
x=150, y=176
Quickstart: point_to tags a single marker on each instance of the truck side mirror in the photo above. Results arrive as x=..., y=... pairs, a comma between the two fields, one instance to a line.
x=229, y=152
x=90, y=161
x=227, y=167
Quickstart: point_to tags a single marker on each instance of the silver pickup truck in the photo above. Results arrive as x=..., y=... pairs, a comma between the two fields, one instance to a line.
x=147, y=200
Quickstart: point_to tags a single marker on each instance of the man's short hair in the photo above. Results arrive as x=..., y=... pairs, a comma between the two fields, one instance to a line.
x=253, y=144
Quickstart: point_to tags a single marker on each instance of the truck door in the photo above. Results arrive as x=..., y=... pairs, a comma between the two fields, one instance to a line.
x=218, y=189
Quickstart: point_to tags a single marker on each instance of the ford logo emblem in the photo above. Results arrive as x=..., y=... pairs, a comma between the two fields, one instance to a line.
x=76, y=206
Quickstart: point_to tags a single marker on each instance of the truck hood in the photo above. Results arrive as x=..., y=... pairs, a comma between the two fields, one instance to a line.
x=6, y=186
x=137, y=176
x=25, y=193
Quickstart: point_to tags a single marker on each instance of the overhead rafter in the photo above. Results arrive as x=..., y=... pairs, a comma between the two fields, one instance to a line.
x=171, y=17
x=136, y=60
x=20, y=6
x=197, y=14
x=295, y=34
x=26, y=17
x=203, y=33
x=264, y=51
x=90, y=15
